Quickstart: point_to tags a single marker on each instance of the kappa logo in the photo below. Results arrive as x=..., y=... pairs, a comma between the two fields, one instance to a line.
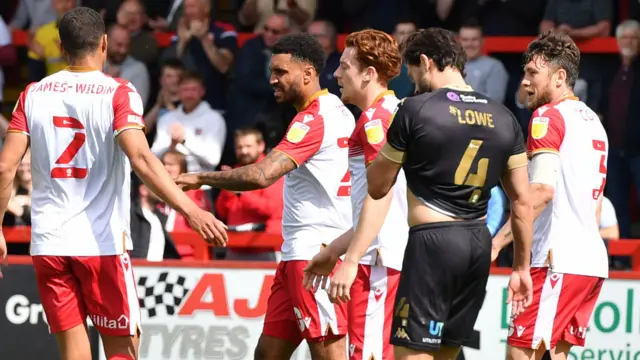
x=554, y=278
x=377, y=294
x=307, y=118
x=401, y=334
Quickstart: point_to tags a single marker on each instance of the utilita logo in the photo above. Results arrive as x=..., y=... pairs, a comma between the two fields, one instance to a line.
x=104, y=322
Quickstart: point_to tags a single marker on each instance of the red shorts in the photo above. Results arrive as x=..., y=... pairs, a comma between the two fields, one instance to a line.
x=371, y=309
x=294, y=314
x=561, y=308
x=100, y=287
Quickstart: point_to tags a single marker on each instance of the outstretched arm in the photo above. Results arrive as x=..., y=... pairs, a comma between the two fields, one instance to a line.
x=251, y=177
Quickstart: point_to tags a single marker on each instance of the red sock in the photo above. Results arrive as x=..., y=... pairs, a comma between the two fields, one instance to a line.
x=121, y=357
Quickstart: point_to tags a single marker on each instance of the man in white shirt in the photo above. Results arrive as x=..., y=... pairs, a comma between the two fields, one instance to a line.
x=568, y=148
x=85, y=131
x=194, y=128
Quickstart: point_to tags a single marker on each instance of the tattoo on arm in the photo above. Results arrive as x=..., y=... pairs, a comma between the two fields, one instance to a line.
x=251, y=177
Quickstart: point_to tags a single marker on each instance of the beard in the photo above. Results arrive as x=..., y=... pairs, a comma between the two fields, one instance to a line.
x=543, y=98
x=423, y=86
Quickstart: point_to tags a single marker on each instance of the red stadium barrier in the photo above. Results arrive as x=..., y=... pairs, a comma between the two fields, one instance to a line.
x=493, y=44
x=22, y=234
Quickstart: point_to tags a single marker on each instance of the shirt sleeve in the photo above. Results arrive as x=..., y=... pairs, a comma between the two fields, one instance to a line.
x=18, y=116
x=550, y=11
x=399, y=128
x=602, y=10
x=304, y=137
x=546, y=131
x=518, y=156
x=608, y=214
x=372, y=136
x=127, y=109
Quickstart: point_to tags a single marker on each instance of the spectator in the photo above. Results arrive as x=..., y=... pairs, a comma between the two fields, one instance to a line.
x=251, y=207
x=193, y=129
x=402, y=85
x=151, y=241
x=19, y=206
x=168, y=97
x=108, y=9
x=165, y=14
x=33, y=13
x=207, y=47
x=608, y=221
x=44, y=53
x=483, y=73
x=121, y=65
x=254, y=13
x=7, y=54
x=582, y=20
x=325, y=33
x=620, y=114
x=252, y=98
x=176, y=164
x=144, y=45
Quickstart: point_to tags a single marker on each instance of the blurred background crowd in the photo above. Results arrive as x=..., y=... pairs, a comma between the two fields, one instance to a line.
x=209, y=105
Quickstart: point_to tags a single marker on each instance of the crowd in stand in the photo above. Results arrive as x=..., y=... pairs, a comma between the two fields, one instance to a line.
x=209, y=105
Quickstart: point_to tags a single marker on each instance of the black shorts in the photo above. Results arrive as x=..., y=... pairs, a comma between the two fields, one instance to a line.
x=442, y=285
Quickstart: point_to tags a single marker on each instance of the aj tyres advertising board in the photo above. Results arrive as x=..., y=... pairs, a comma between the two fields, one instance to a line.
x=217, y=313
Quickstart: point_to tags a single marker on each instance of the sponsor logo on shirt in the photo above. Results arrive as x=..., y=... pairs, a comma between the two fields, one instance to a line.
x=374, y=131
x=297, y=132
x=539, y=127
x=472, y=99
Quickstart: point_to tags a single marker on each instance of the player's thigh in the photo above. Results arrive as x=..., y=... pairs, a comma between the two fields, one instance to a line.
x=579, y=296
x=281, y=333
x=63, y=305
x=471, y=290
x=60, y=291
x=371, y=312
x=434, y=264
x=322, y=323
x=109, y=292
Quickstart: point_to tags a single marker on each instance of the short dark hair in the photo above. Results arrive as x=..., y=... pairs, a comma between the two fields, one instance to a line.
x=559, y=51
x=437, y=44
x=173, y=63
x=471, y=23
x=191, y=76
x=81, y=30
x=302, y=47
x=249, y=131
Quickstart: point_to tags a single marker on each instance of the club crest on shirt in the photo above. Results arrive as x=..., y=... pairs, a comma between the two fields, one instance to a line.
x=539, y=127
x=297, y=132
x=374, y=131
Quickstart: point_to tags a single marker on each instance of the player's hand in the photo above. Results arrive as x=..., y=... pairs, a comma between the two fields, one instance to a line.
x=3, y=253
x=187, y=181
x=208, y=227
x=341, y=281
x=318, y=269
x=520, y=291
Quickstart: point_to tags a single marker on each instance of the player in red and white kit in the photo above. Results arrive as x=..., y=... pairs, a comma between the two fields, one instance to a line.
x=567, y=147
x=368, y=278
x=317, y=207
x=85, y=130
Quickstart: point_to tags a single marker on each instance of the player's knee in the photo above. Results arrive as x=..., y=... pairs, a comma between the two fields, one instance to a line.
x=328, y=348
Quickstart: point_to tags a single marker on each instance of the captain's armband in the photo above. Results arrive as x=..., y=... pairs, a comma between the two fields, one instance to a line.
x=393, y=154
x=517, y=160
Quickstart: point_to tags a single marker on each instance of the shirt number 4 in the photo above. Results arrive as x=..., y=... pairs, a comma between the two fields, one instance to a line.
x=70, y=152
